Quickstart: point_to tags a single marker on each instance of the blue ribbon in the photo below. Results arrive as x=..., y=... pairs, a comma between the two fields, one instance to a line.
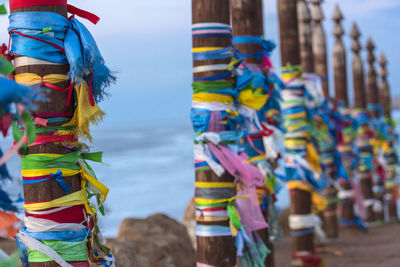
x=60, y=180
x=70, y=236
x=78, y=48
x=302, y=233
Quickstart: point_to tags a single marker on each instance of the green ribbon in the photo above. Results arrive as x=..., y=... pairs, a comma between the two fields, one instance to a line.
x=69, y=251
x=67, y=161
x=199, y=87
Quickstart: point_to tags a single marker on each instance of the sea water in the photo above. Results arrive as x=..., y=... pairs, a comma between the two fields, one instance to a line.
x=147, y=169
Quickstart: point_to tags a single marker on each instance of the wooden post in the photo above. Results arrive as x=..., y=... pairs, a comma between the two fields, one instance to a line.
x=341, y=95
x=374, y=109
x=339, y=59
x=319, y=45
x=390, y=187
x=384, y=89
x=247, y=20
x=300, y=200
x=372, y=86
x=360, y=97
x=305, y=36
x=360, y=102
x=49, y=190
x=213, y=250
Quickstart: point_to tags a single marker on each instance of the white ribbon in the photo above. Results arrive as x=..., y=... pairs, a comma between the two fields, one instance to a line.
x=39, y=246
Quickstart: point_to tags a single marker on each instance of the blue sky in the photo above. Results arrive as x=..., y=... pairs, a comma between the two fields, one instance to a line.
x=148, y=42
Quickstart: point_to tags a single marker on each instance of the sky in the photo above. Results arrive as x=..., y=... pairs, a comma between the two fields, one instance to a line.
x=148, y=44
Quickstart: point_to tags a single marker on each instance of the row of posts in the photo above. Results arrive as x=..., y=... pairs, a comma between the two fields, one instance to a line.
x=302, y=42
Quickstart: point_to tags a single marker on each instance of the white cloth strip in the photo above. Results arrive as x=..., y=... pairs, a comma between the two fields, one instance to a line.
x=42, y=212
x=41, y=225
x=297, y=222
x=208, y=234
x=32, y=243
x=209, y=24
x=206, y=68
x=345, y=194
x=24, y=61
x=211, y=213
x=212, y=106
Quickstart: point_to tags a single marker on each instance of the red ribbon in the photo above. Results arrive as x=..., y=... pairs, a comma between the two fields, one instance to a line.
x=24, y=3
x=83, y=14
x=71, y=9
x=44, y=139
x=73, y=214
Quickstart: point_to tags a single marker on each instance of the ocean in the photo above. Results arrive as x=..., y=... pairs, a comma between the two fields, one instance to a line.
x=148, y=170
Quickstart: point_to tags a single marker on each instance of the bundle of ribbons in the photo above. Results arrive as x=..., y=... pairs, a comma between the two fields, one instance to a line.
x=385, y=158
x=63, y=229
x=258, y=103
x=366, y=138
x=216, y=153
x=302, y=162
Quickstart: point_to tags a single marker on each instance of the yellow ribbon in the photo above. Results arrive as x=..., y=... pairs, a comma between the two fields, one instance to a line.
x=211, y=97
x=313, y=158
x=212, y=218
x=85, y=113
x=214, y=185
x=203, y=201
x=252, y=99
x=76, y=198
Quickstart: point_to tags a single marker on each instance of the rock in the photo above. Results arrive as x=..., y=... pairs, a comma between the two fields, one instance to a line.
x=189, y=220
x=157, y=241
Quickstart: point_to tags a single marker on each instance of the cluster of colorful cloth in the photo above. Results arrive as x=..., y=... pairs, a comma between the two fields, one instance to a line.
x=63, y=229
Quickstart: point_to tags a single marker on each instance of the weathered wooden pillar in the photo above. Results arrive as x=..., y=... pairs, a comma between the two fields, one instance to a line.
x=391, y=187
x=247, y=20
x=372, y=86
x=360, y=103
x=341, y=95
x=384, y=89
x=300, y=200
x=374, y=109
x=319, y=45
x=48, y=190
x=360, y=97
x=212, y=249
x=339, y=59
x=305, y=36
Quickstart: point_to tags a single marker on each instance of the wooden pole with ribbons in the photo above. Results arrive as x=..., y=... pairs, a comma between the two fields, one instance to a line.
x=48, y=190
x=375, y=111
x=341, y=95
x=391, y=187
x=247, y=21
x=360, y=105
x=213, y=249
x=63, y=196
x=319, y=45
x=300, y=222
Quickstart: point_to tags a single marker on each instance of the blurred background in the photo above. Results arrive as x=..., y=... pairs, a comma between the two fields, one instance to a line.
x=146, y=137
